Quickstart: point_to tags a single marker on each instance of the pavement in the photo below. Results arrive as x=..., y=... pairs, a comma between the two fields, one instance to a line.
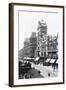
x=40, y=71
x=35, y=73
x=45, y=71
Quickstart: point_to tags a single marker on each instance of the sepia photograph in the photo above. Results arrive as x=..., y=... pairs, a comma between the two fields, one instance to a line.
x=37, y=37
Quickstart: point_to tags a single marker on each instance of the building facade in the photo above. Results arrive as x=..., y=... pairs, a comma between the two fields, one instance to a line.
x=40, y=44
x=41, y=50
x=52, y=47
x=26, y=48
x=30, y=45
x=33, y=44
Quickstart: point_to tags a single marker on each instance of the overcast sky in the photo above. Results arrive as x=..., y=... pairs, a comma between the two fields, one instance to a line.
x=28, y=22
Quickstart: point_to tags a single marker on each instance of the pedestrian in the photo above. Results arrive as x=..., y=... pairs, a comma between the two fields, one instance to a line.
x=54, y=66
x=49, y=74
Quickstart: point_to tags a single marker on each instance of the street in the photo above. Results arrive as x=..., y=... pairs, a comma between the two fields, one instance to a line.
x=45, y=71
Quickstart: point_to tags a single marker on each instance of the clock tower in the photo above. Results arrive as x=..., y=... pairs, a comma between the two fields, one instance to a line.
x=42, y=39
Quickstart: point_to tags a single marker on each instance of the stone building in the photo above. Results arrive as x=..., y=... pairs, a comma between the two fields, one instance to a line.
x=40, y=44
x=30, y=45
x=41, y=50
x=52, y=47
x=33, y=44
x=26, y=48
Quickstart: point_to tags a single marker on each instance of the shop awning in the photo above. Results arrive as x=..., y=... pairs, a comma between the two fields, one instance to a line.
x=57, y=62
x=28, y=58
x=52, y=60
x=36, y=59
x=48, y=60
